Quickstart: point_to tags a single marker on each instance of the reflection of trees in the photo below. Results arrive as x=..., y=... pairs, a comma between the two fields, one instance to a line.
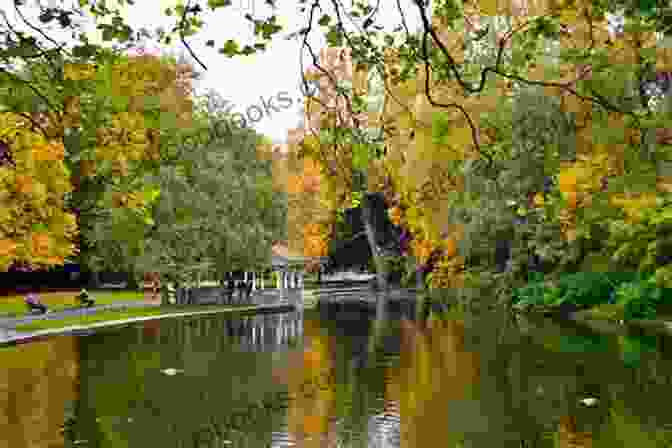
x=436, y=375
x=311, y=412
x=37, y=381
x=226, y=391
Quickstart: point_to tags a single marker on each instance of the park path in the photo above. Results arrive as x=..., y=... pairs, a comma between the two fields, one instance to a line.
x=266, y=297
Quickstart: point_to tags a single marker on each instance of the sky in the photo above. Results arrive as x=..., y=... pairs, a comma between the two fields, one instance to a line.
x=244, y=81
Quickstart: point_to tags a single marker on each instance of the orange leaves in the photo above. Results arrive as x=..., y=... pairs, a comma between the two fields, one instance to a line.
x=7, y=253
x=24, y=184
x=315, y=240
x=450, y=246
x=422, y=249
x=41, y=245
x=572, y=199
x=395, y=215
x=7, y=248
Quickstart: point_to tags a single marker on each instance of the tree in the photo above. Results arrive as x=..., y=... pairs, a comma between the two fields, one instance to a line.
x=449, y=123
x=108, y=146
x=35, y=226
x=216, y=206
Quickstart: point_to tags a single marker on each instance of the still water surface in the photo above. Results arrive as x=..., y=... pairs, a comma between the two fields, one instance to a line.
x=321, y=380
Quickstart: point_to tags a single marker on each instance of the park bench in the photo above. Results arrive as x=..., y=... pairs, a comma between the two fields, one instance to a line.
x=84, y=299
x=35, y=306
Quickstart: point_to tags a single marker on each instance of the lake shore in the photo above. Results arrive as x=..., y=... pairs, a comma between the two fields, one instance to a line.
x=30, y=332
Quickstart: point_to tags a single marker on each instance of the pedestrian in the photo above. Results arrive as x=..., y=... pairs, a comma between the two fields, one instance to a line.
x=33, y=301
x=84, y=298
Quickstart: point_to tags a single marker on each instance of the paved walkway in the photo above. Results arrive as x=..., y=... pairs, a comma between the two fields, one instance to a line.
x=265, y=297
x=10, y=322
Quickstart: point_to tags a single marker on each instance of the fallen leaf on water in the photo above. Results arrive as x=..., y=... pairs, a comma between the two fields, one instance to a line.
x=589, y=401
x=170, y=371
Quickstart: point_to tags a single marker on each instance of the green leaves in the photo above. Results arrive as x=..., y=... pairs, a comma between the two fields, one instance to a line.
x=215, y=4
x=360, y=157
x=230, y=48
x=324, y=20
x=335, y=37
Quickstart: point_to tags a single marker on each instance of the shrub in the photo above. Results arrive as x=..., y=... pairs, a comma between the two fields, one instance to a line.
x=641, y=299
x=583, y=289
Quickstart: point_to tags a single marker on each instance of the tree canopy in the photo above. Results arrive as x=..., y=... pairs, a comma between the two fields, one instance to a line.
x=534, y=122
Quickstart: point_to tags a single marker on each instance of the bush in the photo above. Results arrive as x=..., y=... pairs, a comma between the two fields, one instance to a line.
x=583, y=289
x=641, y=299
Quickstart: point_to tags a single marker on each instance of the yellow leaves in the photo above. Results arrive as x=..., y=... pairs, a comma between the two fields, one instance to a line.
x=633, y=205
x=539, y=200
x=78, y=72
x=448, y=273
x=664, y=59
x=24, y=184
x=48, y=151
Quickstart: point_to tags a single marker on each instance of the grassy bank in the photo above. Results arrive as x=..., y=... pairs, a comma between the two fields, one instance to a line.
x=122, y=314
x=14, y=305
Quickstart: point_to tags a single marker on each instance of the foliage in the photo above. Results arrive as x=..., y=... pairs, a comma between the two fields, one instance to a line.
x=541, y=106
x=217, y=212
x=642, y=236
x=582, y=289
x=641, y=299
x=35, y=226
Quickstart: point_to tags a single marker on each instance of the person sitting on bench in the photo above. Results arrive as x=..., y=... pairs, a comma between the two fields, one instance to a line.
x=34, y=304
x=84, y=298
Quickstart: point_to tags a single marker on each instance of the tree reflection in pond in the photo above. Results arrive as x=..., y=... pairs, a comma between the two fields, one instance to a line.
x=312, y=380
x=38, y=382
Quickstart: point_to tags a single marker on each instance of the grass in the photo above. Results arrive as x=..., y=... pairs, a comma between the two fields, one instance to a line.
x=14, y=305
x=121, y=314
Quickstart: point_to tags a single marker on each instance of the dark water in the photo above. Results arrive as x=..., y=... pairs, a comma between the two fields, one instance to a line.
x=317, y=380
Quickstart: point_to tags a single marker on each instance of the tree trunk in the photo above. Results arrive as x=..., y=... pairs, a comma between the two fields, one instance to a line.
x=381, y=271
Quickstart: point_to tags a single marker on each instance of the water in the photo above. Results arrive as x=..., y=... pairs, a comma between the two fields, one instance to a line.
x=318, y=380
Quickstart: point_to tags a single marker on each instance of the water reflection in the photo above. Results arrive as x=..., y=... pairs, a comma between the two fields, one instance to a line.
x=313, y=380
x=38, y=386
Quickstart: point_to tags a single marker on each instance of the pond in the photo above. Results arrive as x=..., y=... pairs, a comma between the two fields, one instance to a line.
x=317, y=379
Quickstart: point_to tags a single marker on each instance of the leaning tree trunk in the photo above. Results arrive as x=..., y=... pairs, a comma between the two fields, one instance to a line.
x=381, y=270
x=380, y=321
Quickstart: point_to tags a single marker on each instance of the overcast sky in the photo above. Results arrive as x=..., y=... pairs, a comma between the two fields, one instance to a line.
x=243, y=80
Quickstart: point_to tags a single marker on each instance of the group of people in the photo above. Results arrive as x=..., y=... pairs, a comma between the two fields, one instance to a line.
x=35, y=304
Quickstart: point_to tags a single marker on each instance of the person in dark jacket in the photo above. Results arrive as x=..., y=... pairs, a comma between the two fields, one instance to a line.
x=85, y=299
